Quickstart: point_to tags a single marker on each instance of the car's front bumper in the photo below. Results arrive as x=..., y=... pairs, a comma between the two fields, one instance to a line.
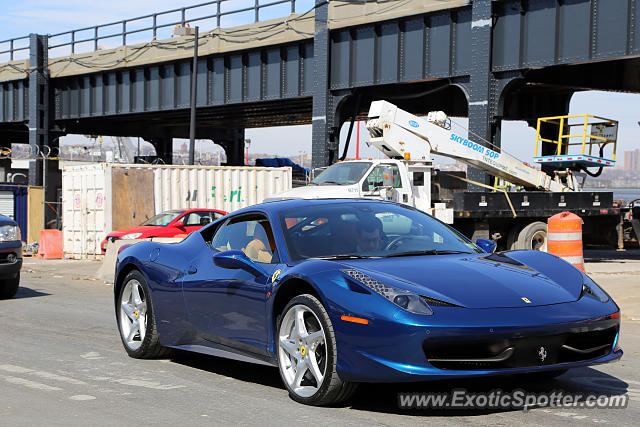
x=105, y=242
x=460, y=342
x=10, y=259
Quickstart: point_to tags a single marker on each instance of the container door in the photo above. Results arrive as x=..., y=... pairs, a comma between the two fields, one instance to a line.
x=7, y=204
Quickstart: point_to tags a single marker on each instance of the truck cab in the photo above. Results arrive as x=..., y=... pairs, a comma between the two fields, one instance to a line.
x=395, y=180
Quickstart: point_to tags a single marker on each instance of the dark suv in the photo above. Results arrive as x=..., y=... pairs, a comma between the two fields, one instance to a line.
x=10, y=257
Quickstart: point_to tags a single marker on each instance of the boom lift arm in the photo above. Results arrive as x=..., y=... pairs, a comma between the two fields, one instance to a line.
x=399, y=134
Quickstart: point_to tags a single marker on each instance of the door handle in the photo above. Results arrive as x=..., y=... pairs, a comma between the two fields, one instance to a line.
x=192, y=269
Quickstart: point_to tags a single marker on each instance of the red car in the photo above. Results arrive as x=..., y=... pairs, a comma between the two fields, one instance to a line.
x=166, y=224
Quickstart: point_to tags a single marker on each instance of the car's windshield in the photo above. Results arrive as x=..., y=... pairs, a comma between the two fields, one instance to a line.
x=367, y=229
x=342, y=173
x=163, y=219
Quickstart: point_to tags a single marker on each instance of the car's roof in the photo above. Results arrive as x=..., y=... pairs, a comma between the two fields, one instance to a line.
x=286, y=204
x=192, y=210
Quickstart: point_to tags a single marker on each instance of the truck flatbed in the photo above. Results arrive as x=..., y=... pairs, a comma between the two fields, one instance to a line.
x=532, y=204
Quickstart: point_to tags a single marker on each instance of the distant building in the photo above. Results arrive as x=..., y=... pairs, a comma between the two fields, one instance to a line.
x=632, y=161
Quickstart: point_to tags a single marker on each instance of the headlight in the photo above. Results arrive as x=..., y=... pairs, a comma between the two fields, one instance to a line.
x=9, y=233
x=403, y=299
x=589, y=287
x=131, y=236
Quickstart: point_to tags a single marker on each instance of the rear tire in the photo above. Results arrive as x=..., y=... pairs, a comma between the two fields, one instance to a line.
x=9, y=287
x=136, y=323
x=308, y=349
x=533, y=237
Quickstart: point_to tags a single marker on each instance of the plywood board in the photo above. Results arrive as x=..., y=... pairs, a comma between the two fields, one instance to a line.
x=35, y=213
x=132, y=197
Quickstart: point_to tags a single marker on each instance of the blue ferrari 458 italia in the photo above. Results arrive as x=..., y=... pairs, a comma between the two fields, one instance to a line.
x=339, y=292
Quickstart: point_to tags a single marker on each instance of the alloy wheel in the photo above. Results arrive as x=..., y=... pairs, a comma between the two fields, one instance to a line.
x=133, y=314
x=302, y=351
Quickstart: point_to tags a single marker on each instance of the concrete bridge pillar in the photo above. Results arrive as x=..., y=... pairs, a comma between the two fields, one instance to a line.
x=164, y=148
x=324, y=143
x=42, y=171
x=232, y=141
x=482, y=97
x=38, y=104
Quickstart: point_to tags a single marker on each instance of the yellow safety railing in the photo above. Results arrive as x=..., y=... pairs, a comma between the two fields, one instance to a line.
x=501, y=184
x=595, y=131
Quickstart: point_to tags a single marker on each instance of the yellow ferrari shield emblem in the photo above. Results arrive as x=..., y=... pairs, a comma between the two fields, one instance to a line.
x=527, y=300
x=303, y=350
x=275, y=276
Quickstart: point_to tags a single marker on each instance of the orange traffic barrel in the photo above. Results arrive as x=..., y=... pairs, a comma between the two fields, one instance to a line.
x=564, y=238
x=50, y=245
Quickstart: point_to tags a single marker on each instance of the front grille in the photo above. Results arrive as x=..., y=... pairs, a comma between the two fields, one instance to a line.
x=518, y=351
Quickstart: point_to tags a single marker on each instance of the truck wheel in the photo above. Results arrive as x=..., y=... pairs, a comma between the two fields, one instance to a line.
x=533, y=236
x=512, y=237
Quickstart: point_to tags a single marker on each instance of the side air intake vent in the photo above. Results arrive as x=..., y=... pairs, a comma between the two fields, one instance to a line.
x=436, y=302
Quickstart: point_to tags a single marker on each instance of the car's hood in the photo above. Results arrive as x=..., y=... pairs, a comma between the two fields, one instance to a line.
x=145, y=230
x=320, y=192
x=509, y=279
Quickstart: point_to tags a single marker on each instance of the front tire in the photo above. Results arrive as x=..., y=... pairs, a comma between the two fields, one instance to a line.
x=307, y=354
x=134, y=313
x=9, y=287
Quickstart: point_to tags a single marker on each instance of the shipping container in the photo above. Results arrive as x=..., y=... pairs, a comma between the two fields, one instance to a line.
x=13, y=203
x=102, y=197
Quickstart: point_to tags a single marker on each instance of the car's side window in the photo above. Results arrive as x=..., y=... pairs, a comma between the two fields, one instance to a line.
x=376, y=177
x=191, y=219
x=204, y=217
x=200, y=218
x=252, y=235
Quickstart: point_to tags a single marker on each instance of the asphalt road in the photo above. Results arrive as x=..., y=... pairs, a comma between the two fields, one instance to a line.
x=62, y=363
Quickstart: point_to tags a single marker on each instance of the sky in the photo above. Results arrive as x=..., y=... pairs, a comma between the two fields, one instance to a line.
x=19, y=18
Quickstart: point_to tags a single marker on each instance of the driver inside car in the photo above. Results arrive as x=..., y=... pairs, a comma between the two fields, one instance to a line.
x=369, y=235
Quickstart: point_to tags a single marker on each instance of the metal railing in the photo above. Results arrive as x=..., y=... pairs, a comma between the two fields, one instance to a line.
x=9, y=47
x=591, y=130
x=213, y=11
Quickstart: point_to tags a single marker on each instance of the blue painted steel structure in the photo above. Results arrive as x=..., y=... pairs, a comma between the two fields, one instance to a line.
x=480, y=304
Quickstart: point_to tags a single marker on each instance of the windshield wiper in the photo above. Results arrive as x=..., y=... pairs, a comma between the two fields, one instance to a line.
x=332, y=183
x=428, y=252
x=345, y=256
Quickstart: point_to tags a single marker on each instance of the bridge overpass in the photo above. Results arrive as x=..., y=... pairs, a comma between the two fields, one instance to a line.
x=488, y=60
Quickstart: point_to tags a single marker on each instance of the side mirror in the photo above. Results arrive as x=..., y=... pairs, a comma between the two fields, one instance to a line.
x=180, y=224
x=238, y=260
x=365, y=189
x=489, y=246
